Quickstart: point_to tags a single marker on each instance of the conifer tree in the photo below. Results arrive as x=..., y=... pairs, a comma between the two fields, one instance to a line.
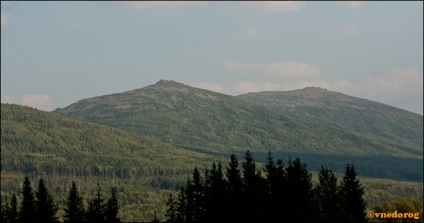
x=12, y=211
x=74, y=209
x=45, y=209
x=181, y=206
x=234, y=190
x=300, y=194
x=112, y=207
x=171, y=211
x=215, y=194
x=285, y=194
x=95, y=212
x=327, y=196
x=252, y=190
x=351, y=192
x=274, y=188
x=195, y=202
x=26, y=209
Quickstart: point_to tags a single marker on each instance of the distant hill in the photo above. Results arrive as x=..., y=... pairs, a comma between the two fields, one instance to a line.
x=61, y=150
x=386, y=124
x=37, y=142
x=320, y=126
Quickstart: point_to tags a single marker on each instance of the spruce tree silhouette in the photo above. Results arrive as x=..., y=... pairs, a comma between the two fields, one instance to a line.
x=351, y=192
x=95, y=212
x=74, y=208
x=234, y=190
x=112, y=207
x=328, y=196
x=45, y=209
x=26, y=209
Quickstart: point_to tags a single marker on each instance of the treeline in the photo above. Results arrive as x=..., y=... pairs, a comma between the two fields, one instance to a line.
x=39, y=207
x=278, y=193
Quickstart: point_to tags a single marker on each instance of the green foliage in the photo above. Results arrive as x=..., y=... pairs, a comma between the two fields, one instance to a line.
x=112, y=207
x=401, y=206
x=96, y=207
x=10, y=212
x=352, y=192
x=74, y=209
x=45, y=209
x=26, y=209
x=328, y=195
x=299, y=200
x=47, y=145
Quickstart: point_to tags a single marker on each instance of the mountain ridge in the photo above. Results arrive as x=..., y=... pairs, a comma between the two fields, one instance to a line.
x=306, y=94
x=211, y=122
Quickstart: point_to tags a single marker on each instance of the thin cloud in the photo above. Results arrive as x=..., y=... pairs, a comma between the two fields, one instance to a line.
x=211, y=86
x=5, y=22
x=8, y=99
x=398, y=82
x=39, y=101
x=401, y=88
x=276, y=6
x=242, y=87
x=280, y=69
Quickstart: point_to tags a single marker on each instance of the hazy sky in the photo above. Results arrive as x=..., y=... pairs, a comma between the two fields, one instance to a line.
x=56, y=53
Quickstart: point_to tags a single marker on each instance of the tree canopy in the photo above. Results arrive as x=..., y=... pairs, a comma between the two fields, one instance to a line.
x=248, y=195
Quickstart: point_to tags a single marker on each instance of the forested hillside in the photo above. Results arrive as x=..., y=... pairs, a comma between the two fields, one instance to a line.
x=389, y=126
x=63, y=150
x=209, y=122
x=41, y=142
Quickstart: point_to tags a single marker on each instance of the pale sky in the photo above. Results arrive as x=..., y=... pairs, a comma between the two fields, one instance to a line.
x=56, y=53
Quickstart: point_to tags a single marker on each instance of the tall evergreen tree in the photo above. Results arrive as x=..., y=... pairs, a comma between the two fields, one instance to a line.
x=9, y=213
x=300, y=193
x=95, y=212
x=74, y=208
x=171, y=210
x=234, y=190
x=285, y=193
x=215, y=194
x=181, y=206
x=252, y=190
x=327, y=196
x=26, y=209
x=12, y=212
x=45, y=209
x=274, y=188
x=195, y=202
x=112, y=207
x=351, y=191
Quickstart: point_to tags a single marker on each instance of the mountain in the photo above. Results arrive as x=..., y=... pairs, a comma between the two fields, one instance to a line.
x=321, y=127
x=388, y=125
